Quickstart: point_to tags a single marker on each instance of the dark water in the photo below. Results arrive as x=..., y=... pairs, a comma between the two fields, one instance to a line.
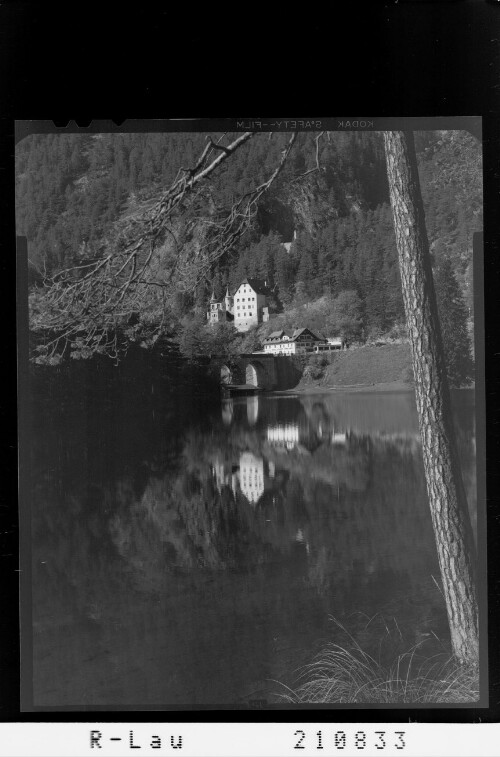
x=190, y=554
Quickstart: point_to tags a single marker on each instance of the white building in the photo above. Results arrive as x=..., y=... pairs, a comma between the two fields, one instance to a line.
x=296, y=342
x=251, y=305
x=247, y=307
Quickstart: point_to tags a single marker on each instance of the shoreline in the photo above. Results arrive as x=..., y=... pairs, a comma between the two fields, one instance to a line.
x=380, y=387
x=386, y=386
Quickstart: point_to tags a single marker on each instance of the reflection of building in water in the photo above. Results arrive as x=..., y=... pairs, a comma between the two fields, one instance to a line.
x=251, y=476
x=288, y=436
x=225, y=474
x=285, y=435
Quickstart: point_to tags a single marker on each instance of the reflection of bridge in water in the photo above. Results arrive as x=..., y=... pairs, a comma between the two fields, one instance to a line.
x=252, y=408
x=297, y=428
x=283, y=433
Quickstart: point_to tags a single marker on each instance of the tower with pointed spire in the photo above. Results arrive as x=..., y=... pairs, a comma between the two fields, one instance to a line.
x=220, y=310
x=228, y=301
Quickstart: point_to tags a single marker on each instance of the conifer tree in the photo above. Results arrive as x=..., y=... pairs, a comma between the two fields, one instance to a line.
x=348, y=314
x=445, y=488
x=453, y=318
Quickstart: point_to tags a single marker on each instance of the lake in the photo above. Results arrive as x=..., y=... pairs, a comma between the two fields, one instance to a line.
x=193, y=554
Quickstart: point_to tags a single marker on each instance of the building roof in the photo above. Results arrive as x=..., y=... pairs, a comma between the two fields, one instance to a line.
x=292, y=336
x=299, y=332
x=278, y=336
x=258, y=285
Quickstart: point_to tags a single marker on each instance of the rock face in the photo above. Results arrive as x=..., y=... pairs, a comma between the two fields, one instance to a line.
x=277, y=215
x=309, y=205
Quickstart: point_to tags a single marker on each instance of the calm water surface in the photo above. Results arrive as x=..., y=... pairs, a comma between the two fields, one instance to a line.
x=186, y=556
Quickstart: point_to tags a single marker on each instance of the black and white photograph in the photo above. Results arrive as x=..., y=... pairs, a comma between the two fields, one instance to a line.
x=252, y=427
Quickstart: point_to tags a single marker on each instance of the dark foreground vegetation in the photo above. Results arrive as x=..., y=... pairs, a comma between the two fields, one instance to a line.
x=348, y=674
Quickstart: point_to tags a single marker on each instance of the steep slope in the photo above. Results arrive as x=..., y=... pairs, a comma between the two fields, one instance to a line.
x=79, y=195
x=366, y=366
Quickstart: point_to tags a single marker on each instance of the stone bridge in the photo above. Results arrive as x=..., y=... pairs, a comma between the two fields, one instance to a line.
x=262, y=371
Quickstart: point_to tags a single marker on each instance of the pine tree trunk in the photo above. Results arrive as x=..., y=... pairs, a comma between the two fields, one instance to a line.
x=447, y=499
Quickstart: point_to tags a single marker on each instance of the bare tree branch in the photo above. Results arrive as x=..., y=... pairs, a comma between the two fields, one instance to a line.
x=231, y=228
x=87, y=303
x=317, y=167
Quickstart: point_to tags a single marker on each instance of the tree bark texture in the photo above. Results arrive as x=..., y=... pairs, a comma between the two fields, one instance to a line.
x=447, y=499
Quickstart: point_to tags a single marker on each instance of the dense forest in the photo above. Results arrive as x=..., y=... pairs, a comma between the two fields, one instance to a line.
x=74, y=193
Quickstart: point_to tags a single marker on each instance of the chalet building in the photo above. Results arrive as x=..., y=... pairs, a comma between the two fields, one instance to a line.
x=294, y=342
x=300, y=341
x=246, y=307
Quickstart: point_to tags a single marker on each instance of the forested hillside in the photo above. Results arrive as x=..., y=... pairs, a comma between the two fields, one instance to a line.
x=74, y=193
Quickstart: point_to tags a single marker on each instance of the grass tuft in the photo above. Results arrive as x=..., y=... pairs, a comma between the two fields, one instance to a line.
x=350, y=675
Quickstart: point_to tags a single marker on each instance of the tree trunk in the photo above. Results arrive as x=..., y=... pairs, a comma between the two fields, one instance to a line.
x=447, y=499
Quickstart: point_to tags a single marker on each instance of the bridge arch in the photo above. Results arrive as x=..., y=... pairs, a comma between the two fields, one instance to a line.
x=231, y=373
x=226, y=374
x=255, y=374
